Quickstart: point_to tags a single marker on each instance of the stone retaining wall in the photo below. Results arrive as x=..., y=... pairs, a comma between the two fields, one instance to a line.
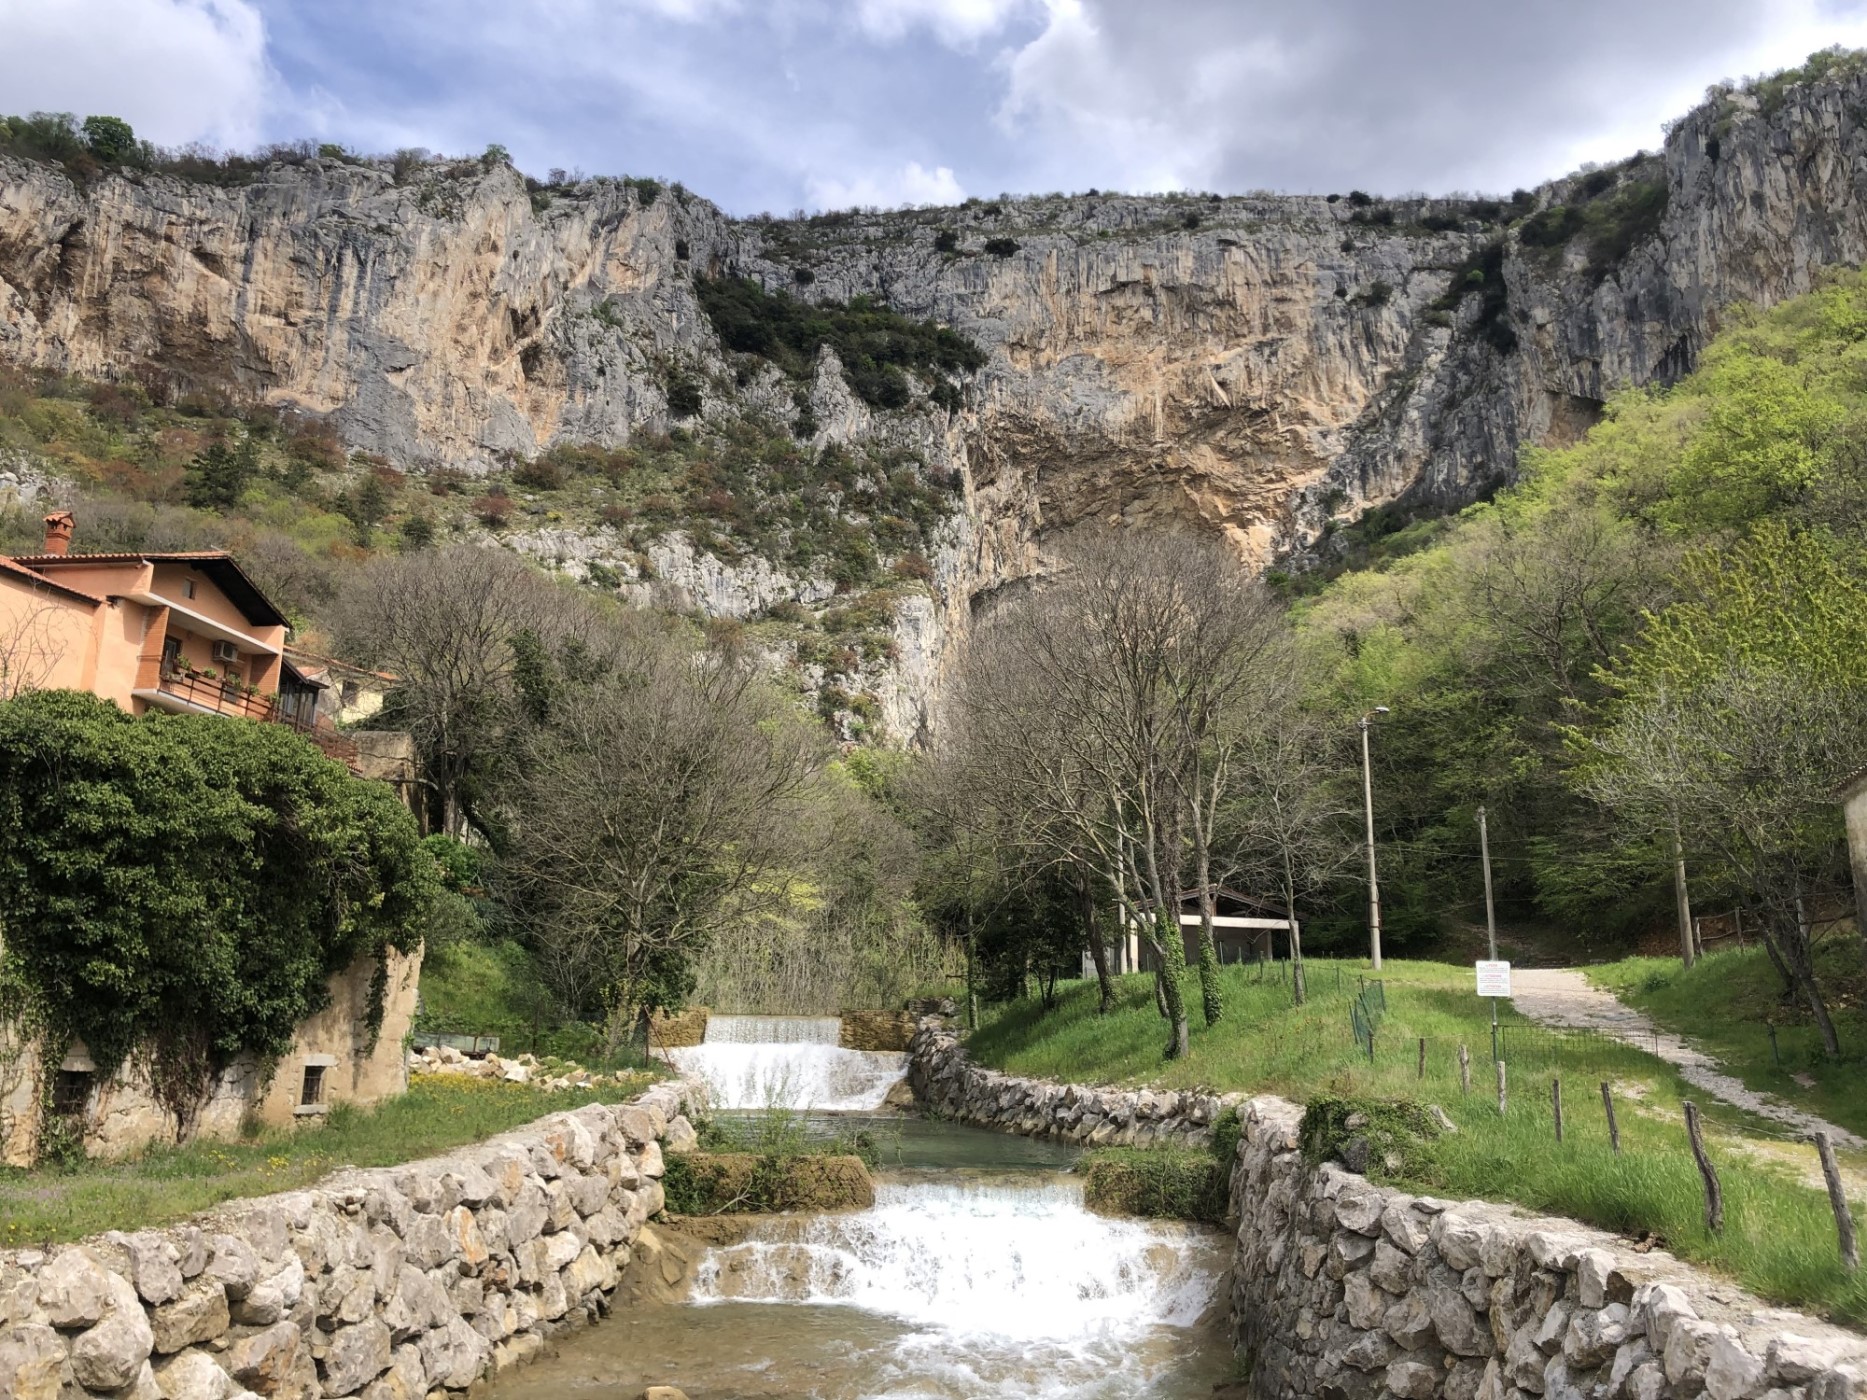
x=1344, y=1290
x=950, y=1084
x=388, y=1284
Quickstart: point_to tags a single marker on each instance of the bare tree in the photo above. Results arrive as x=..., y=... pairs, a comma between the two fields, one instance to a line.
x=657, y=800
x=30, y=648
x=444, y=623
x=1746, y=764
x=1101, y=716
x=1219, y=666
x=1293, y=821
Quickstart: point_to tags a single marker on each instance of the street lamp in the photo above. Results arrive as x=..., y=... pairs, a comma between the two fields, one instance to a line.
x=1374, y=887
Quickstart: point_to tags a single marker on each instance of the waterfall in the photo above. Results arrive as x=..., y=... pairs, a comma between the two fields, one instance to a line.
x=1024, y=1263
x=969, y=1287
x=787, y=1062
x=773, y=1030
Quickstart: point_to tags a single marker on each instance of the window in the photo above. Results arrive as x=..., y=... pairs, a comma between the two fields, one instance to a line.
x=187, y=588
x=71, y=1091
x=313, y=1091
x=171, y=655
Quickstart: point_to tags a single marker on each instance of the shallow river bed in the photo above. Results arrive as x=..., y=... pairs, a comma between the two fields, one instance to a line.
x=977, y=1273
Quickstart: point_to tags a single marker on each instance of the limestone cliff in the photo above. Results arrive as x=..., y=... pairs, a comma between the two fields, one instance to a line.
x=1265, y=365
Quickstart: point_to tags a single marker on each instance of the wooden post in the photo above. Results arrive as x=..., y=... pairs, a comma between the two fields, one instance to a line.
x=1465, y=1070
x=1776, y=1056
x=1503, y=1097
x=1614, y=1128
x=1555, y=1098
x=1714, y=1194
x=1422, y=1073
x=1837, y=1198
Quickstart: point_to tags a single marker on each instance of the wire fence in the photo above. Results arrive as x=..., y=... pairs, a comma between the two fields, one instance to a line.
x=1365, y=1013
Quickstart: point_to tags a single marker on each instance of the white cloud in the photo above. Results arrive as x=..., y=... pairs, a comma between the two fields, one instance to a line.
x=1313, y=95
x=1790, y=31
x=176, y=70
x=955, y=22
x=687, y=11
x=912, y=183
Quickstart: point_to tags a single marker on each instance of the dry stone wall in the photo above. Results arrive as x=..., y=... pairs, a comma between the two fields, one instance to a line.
x=945, y=1080
x=387, y=1284
x=1345, y=1290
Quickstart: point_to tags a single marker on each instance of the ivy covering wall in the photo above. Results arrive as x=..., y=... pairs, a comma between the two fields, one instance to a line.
x=183, y=887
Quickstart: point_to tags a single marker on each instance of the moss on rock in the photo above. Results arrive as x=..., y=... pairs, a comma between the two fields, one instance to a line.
x=1383, y=1139
x=725, y=1183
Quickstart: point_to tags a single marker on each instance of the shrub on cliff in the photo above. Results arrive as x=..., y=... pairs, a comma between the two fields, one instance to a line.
x=873, y=343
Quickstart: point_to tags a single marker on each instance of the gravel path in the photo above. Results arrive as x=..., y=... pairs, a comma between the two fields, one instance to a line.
x=1565, y=997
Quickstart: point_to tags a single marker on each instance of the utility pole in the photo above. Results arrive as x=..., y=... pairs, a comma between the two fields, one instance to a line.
x=1484, y=852
x=1374, y=885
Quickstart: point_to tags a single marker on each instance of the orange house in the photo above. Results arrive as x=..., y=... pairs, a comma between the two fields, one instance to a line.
x=186, y=632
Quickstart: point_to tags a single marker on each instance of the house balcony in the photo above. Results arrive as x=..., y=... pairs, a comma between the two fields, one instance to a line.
x=190, y=692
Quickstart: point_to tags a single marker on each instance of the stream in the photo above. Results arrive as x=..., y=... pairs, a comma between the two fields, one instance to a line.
x=978, y=1272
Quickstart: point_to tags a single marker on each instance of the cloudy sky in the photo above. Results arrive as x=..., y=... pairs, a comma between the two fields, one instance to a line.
x=780, y=104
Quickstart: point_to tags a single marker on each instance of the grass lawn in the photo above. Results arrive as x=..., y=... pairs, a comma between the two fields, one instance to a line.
x=1779, y=1237
x=166, y=1184
x=1727, y=1003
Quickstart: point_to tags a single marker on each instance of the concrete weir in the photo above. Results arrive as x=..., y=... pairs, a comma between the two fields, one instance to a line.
x=1346, y=1290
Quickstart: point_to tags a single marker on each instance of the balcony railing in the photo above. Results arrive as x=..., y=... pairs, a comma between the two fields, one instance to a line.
x=227, y=697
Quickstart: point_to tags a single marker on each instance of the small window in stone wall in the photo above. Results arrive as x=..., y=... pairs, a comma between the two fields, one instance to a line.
x=71, y=1092
x=313, y=1090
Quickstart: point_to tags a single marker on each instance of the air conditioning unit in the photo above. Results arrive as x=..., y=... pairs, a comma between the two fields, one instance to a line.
x=226, y=654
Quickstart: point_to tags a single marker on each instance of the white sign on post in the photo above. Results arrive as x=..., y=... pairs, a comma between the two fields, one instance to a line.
x=1494, y=979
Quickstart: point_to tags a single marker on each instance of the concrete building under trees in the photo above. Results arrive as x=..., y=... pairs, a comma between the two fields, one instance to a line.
x=1243, y=931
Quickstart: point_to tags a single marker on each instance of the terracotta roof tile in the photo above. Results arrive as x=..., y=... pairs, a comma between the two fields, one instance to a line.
x=133, y=557
x=221, y=566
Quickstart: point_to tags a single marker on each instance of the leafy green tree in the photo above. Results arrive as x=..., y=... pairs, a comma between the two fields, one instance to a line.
x=1514, y=624
x=417, y=532
x=1732, y=718
x=220, y=473
x=110, y=139
x=184, y=887
x=365, y=505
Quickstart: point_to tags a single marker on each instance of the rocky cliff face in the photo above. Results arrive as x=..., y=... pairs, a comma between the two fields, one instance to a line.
x=1264, y=365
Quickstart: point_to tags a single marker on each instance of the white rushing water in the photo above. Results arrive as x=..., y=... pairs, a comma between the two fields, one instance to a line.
x=787, y=1062
x=995, y=1289
x=1026, y=1263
